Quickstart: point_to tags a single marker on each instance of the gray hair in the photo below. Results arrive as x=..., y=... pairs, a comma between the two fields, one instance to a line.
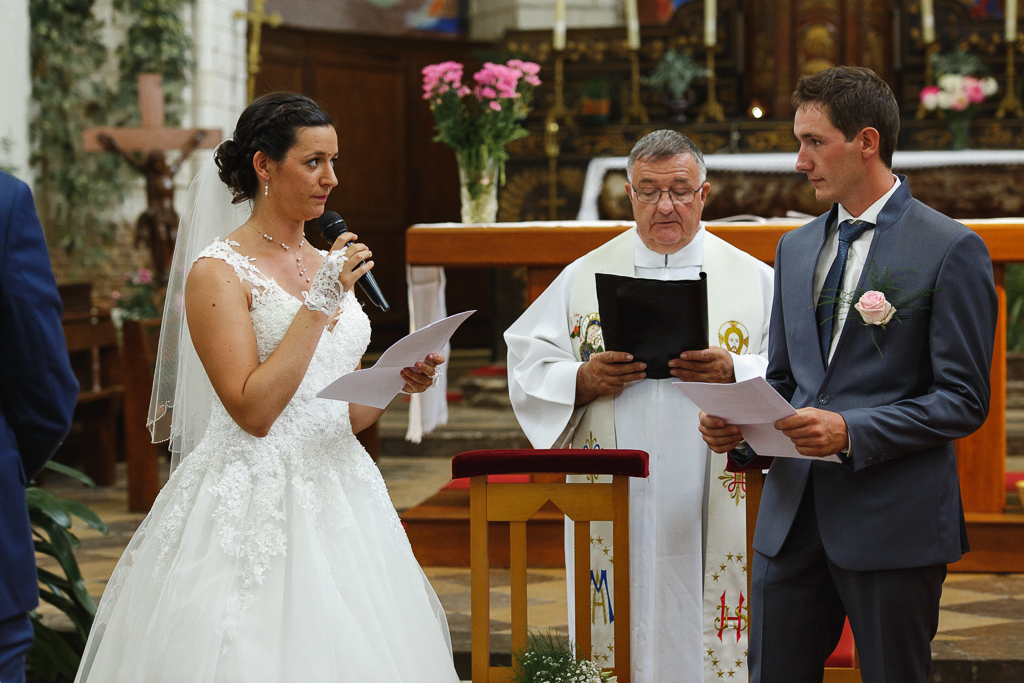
x=662, y=144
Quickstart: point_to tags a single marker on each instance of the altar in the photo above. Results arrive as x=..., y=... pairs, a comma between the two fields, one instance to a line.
x=544, y=248
x=944, y=180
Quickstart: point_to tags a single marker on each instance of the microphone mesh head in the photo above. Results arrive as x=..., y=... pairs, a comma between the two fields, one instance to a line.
x=331, y=226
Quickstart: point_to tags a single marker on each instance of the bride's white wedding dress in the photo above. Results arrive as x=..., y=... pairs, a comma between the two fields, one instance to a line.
x=273, y=559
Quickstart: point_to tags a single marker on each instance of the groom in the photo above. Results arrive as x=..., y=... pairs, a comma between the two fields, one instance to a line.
x=869, y=537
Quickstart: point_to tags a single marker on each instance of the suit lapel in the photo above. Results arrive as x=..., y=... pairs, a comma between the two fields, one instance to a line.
x=886, y=228
x=801, y=323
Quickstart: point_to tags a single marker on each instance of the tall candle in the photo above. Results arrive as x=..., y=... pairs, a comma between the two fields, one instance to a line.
x=559, y=41
x=632, y=25
x=927, y=21
x=1011, y=21
x=710, y=22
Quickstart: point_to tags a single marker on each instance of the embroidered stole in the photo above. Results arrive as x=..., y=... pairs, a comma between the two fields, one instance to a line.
x=736, y=317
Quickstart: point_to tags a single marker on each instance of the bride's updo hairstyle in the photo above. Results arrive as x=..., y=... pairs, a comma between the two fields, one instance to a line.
x=269, y=125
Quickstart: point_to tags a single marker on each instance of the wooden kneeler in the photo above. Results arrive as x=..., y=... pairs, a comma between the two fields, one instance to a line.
x=515, y=504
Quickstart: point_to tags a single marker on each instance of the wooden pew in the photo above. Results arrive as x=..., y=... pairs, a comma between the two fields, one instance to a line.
x=140, y=340
x=92, y=345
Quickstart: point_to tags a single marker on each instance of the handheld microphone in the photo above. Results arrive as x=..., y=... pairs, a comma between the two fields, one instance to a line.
x=333, y=226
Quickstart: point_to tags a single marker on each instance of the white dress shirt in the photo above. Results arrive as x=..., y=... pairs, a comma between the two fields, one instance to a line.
x=856, y=258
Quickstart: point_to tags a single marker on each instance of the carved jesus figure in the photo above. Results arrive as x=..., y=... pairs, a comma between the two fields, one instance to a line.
x=157, y=227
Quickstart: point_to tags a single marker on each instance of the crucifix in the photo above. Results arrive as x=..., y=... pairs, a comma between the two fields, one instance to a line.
x=257, y=17
x=144, y=149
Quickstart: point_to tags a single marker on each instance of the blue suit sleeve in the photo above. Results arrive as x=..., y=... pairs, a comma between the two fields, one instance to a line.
x=37, y=387
x=780, y=370
x=961, y=335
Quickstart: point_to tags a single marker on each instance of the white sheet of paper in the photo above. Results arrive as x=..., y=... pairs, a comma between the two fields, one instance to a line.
x=378, y=385
x=753, y=406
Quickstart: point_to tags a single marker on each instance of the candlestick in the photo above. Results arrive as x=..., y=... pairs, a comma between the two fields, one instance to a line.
x=1011, y=21
x=635, y=110
x=927, y=21
x=710, y=22
x=1010, y=105
x=929, y=78
x=712, y=109
x=559, y=40
x=632, y=25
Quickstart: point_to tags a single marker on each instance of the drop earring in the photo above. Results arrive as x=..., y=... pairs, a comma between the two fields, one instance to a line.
x=266, y=188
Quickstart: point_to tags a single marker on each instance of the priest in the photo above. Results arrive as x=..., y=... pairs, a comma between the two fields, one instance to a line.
x=687, y=534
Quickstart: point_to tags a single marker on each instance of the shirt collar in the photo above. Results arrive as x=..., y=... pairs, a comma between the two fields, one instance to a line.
x=690, y=256
x=871, y=214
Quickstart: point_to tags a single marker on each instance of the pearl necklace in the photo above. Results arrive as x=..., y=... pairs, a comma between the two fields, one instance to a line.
x=298, y=257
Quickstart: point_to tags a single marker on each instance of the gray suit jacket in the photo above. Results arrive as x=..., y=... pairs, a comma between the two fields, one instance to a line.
x=895, y=502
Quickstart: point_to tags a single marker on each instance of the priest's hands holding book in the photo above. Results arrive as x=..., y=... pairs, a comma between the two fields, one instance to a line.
x=713, y=364
x=606, y=374
x=814, y=432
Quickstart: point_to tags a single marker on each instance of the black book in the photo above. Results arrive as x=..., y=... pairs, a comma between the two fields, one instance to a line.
x=655, y=320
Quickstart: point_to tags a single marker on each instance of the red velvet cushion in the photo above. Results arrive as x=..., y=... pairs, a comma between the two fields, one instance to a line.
x=568, y=460
x=843, y=656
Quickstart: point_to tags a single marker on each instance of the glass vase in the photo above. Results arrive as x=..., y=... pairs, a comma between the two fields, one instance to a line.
x=478, y=186
x=960, y=130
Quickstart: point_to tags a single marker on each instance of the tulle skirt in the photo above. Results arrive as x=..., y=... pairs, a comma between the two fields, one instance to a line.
x=249, y=572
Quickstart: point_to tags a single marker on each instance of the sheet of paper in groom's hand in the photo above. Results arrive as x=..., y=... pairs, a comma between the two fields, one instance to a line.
x=753, y=406
x=376, y=386
x=655, y=320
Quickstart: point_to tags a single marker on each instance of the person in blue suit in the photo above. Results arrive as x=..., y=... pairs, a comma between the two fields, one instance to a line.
x=37, y=399
x=887, y=384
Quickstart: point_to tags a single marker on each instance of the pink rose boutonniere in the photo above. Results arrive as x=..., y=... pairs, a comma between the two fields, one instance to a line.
x=874, y=309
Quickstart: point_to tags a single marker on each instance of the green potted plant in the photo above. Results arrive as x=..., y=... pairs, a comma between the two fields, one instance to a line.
x=595, y=103
x=673, y=76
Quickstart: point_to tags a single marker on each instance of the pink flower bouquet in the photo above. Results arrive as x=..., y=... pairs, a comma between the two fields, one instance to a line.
x=479, y=121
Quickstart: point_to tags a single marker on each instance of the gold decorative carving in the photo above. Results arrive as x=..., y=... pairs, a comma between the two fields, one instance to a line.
x=530, y=146
x=874, y=51
x=709, y=143
x=932, y=138
x=776, y=140
x=994, y=135
x=525, y=195
x=611, y=143
x=818, y=49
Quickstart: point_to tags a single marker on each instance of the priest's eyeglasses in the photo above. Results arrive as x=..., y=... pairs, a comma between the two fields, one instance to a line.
x=678, y=195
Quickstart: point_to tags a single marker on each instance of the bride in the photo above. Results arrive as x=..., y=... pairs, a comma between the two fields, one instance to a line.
x=273, y=553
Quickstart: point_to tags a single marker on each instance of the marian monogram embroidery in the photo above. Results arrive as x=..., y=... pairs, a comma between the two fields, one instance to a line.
x=733, y=336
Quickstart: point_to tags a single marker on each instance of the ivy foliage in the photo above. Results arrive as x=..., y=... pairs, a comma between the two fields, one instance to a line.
x=156, y=42
x=78, y=191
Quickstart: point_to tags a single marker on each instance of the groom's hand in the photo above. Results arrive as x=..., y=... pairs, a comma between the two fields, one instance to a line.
x=815, y=432
x=606, y=374
x=707, y=365
x=719, y=435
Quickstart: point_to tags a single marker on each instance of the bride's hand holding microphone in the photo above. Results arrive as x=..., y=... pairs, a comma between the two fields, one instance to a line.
x=355, y=255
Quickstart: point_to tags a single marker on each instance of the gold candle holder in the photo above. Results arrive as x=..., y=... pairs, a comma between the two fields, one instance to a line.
x=552, y=149
x=1010, y=106
x=559, y=112
x=711, y=109
x=929, y=77
x=635, y=111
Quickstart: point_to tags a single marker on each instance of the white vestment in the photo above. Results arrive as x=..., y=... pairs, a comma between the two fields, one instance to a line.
x=667, y=509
